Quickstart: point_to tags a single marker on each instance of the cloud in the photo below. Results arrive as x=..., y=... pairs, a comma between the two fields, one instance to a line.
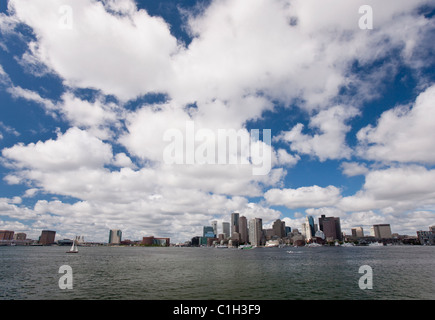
x=400, y=189
x=70, y=151
x=352, y=169
x=92, y=53
x=304, y=197
x=402, y=134
x=330, y=143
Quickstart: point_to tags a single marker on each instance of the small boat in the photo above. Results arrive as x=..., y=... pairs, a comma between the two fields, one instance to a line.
x=74, y=248
x=314, y=245
x=221, y=246
x=348, y=244
x=376, y=244
x=246, y=247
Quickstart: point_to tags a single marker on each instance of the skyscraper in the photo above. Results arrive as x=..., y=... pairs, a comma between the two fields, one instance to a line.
x=234, y=222
x=255, y=231
x=382, y=231
x=357, y=232
x=243, y=229
x=279, y=228
x=331, y=227
x=215, y=228
x=115, y=236
x=208, y=232
x=309, y=228
x=226, y=229
x=47, y=237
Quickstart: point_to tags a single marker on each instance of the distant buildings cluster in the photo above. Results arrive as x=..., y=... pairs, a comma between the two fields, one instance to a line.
x=115, y=238
x=241, y=231
x=48, y=237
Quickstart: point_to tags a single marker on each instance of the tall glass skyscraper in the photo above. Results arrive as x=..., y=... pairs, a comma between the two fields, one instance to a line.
x=243, y=229
x=115, y=236
x=226, y=229
x=255, y=231
x=234, y=222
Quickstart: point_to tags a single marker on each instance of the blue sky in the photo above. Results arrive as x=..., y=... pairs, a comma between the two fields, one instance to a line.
x=89, y=88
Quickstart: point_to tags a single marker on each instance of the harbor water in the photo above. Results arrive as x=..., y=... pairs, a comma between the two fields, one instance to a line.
x=149, y=273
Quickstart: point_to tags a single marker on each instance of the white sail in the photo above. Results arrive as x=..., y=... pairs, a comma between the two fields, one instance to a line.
x=73, y=249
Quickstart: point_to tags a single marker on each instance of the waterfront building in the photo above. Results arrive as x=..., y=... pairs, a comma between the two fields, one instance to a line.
x=6, y=235
x=47, y=237
x=309, y=228
x=426, y=237
x=331, y=227
x=152, y=241
x=382, y=231
x=243, y=230
x=195, y=241
x=357, y=232
x=278, y=228
x=288, y=230
x=320, y=234
x=234, y=222
x=208, y=232
x=20, y=236
x=115, y=236
x=256, y=231
x=215, y=227
x=226, y=229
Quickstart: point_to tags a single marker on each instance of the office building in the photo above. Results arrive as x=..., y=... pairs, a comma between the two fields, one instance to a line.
x=288, y=230
x=256, y=231
x=234, y=222
x=331, y=228
x=20, y=236
x=6, y=235
x=382, y=231
x=427, y=237
x=115, y=236
x=309, y=228
x=47, y=237
x=226, y=229
x=357, y=232
x=215, y=227
x=152, y=241
x=279, y=228
x=208, y=232
x=243, y=230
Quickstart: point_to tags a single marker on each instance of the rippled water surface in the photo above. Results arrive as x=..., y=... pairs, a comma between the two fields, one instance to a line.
x=103, y=273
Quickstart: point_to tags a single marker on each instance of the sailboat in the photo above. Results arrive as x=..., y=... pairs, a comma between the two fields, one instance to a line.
x=74, y=248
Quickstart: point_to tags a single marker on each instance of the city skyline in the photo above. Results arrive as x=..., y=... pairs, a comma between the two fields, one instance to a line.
x=163, y=124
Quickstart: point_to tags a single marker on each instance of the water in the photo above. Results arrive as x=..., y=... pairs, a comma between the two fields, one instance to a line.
x=120, y=273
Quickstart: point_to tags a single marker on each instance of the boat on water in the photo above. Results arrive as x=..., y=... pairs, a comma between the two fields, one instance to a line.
x=221, y=246
x=347, y=244
x=313, y=245
x=74, y=248
x=376, y=244
x=246, y=247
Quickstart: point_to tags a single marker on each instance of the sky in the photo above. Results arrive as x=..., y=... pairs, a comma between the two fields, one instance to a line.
x=111, y=110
